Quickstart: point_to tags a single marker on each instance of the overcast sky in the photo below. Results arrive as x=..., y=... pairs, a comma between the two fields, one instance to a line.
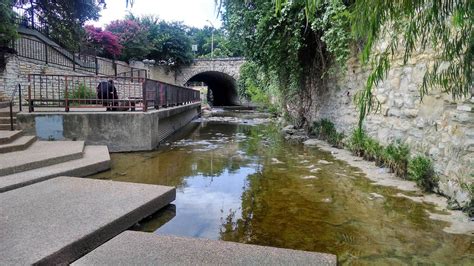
x=191, y=12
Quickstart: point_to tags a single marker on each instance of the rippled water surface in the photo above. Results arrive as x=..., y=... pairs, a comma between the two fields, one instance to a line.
x=244, y=183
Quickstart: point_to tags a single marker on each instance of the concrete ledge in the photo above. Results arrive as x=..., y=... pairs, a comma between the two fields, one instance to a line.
x=138, y=248
x=120, y=131
x=59, y=220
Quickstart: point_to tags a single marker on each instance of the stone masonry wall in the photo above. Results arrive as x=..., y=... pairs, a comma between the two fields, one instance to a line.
x=438, y=127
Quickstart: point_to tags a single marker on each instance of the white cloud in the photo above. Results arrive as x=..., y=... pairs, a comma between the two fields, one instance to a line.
x=191, y=12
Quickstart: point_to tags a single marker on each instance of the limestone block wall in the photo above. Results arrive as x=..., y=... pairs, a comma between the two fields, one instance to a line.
x=436, y=126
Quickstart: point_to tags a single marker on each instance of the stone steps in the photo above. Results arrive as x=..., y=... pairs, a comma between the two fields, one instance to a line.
x=139, y=248
x=40, y=154
x=96, y=159
x=9, y=136
x=61, y=219
x=18, y=144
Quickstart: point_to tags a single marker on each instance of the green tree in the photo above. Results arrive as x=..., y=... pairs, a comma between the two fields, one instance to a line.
x=133, y=38
x=168, y=42
x=62, y=19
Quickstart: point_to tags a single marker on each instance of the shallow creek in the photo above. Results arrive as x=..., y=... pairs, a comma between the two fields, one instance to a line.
x=243, y=182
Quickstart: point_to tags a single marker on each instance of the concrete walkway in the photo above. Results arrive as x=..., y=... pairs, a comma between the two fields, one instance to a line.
x=61, y=219
x=138, y=248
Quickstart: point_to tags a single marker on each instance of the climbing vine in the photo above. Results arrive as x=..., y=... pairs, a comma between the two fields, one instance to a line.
x=289, y=46
x=293, y=37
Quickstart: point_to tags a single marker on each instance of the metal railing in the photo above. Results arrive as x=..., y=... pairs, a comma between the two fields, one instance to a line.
x=157, y=94
x=54, y=93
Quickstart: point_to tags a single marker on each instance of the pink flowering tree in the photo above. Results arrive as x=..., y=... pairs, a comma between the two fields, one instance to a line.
x=104, y=42
x=133, y=36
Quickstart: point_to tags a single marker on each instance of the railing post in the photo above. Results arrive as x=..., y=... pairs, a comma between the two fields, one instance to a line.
x=11, y=116
x=114, y=66
x=96, y=65
x=30, y=101
x=19, y=98
x=73, y=61
x=66, y=96
x=45, y=52
x=144, y=96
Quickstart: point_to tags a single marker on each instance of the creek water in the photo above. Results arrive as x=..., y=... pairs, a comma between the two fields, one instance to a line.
x=243, y=182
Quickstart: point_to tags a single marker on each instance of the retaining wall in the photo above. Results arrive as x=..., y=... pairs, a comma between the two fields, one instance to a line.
x=120, y=131
x=438, y=126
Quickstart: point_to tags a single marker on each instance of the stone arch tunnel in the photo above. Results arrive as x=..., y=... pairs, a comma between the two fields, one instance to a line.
x=223, y=87
x=219, y=74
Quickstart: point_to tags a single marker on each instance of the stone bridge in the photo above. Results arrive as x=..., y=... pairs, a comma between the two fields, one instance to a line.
x=219, y=74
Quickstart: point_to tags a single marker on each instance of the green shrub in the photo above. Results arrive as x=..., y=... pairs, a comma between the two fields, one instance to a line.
x=469, y=209
x=83, y=92
x=420, y=170
x=373, y=151
x=325, y=130
x=357, y=142
x=396, y=156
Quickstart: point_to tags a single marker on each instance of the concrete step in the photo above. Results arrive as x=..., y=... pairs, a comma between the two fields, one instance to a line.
x=40, y=154
x=6, y=126
x=96, y=159
x=5, y=111
x=19, y=144
x=139, y=248
x=6, y=120
x=7, y=136
x=4, y=103
x=61, y=219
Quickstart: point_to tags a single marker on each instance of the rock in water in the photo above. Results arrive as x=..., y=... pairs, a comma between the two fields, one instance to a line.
x=311, y=142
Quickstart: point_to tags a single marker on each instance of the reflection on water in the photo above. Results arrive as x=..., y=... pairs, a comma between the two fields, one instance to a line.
x=246, y=184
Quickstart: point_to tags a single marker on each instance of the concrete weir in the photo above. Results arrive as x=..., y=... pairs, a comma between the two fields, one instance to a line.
x=138, y=248
x=120, y=131
x=59, y=220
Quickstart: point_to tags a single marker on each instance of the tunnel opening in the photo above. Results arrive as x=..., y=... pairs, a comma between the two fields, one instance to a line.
x=222, y=88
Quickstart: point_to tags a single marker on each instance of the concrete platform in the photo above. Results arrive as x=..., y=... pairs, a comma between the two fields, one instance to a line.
x=18, y=144
x=7, y=136
x=40, y=154
x=95, y=160
x=59, y=220
x=138, y=248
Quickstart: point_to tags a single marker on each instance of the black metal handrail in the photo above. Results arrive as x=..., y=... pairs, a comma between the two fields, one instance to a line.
x=12, y=103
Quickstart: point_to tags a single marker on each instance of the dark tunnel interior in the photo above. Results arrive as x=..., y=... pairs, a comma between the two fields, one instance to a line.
x=223, y=87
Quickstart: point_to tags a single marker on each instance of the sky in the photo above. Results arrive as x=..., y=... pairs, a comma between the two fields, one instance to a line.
x=192, y=12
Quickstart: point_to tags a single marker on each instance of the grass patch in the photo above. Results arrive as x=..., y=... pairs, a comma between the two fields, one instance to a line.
x=325, y=130
x=420, y=170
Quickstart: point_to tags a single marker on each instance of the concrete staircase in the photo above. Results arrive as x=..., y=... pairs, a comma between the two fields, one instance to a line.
x=5, y=115
x=25, y=161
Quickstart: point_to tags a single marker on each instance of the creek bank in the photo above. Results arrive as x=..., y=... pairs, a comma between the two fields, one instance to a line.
x=459, y=222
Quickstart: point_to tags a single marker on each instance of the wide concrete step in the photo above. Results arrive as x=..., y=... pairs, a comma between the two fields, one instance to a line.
x=19, y=144
x=5, y=110
x=96, y=159
x=40, y=154
x=6, y=120
x=139, y=248
x=59, y=220
x=7, y=136
x=6, y=126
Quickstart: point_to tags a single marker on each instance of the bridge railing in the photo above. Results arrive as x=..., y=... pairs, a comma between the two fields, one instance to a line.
x=58, y=93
